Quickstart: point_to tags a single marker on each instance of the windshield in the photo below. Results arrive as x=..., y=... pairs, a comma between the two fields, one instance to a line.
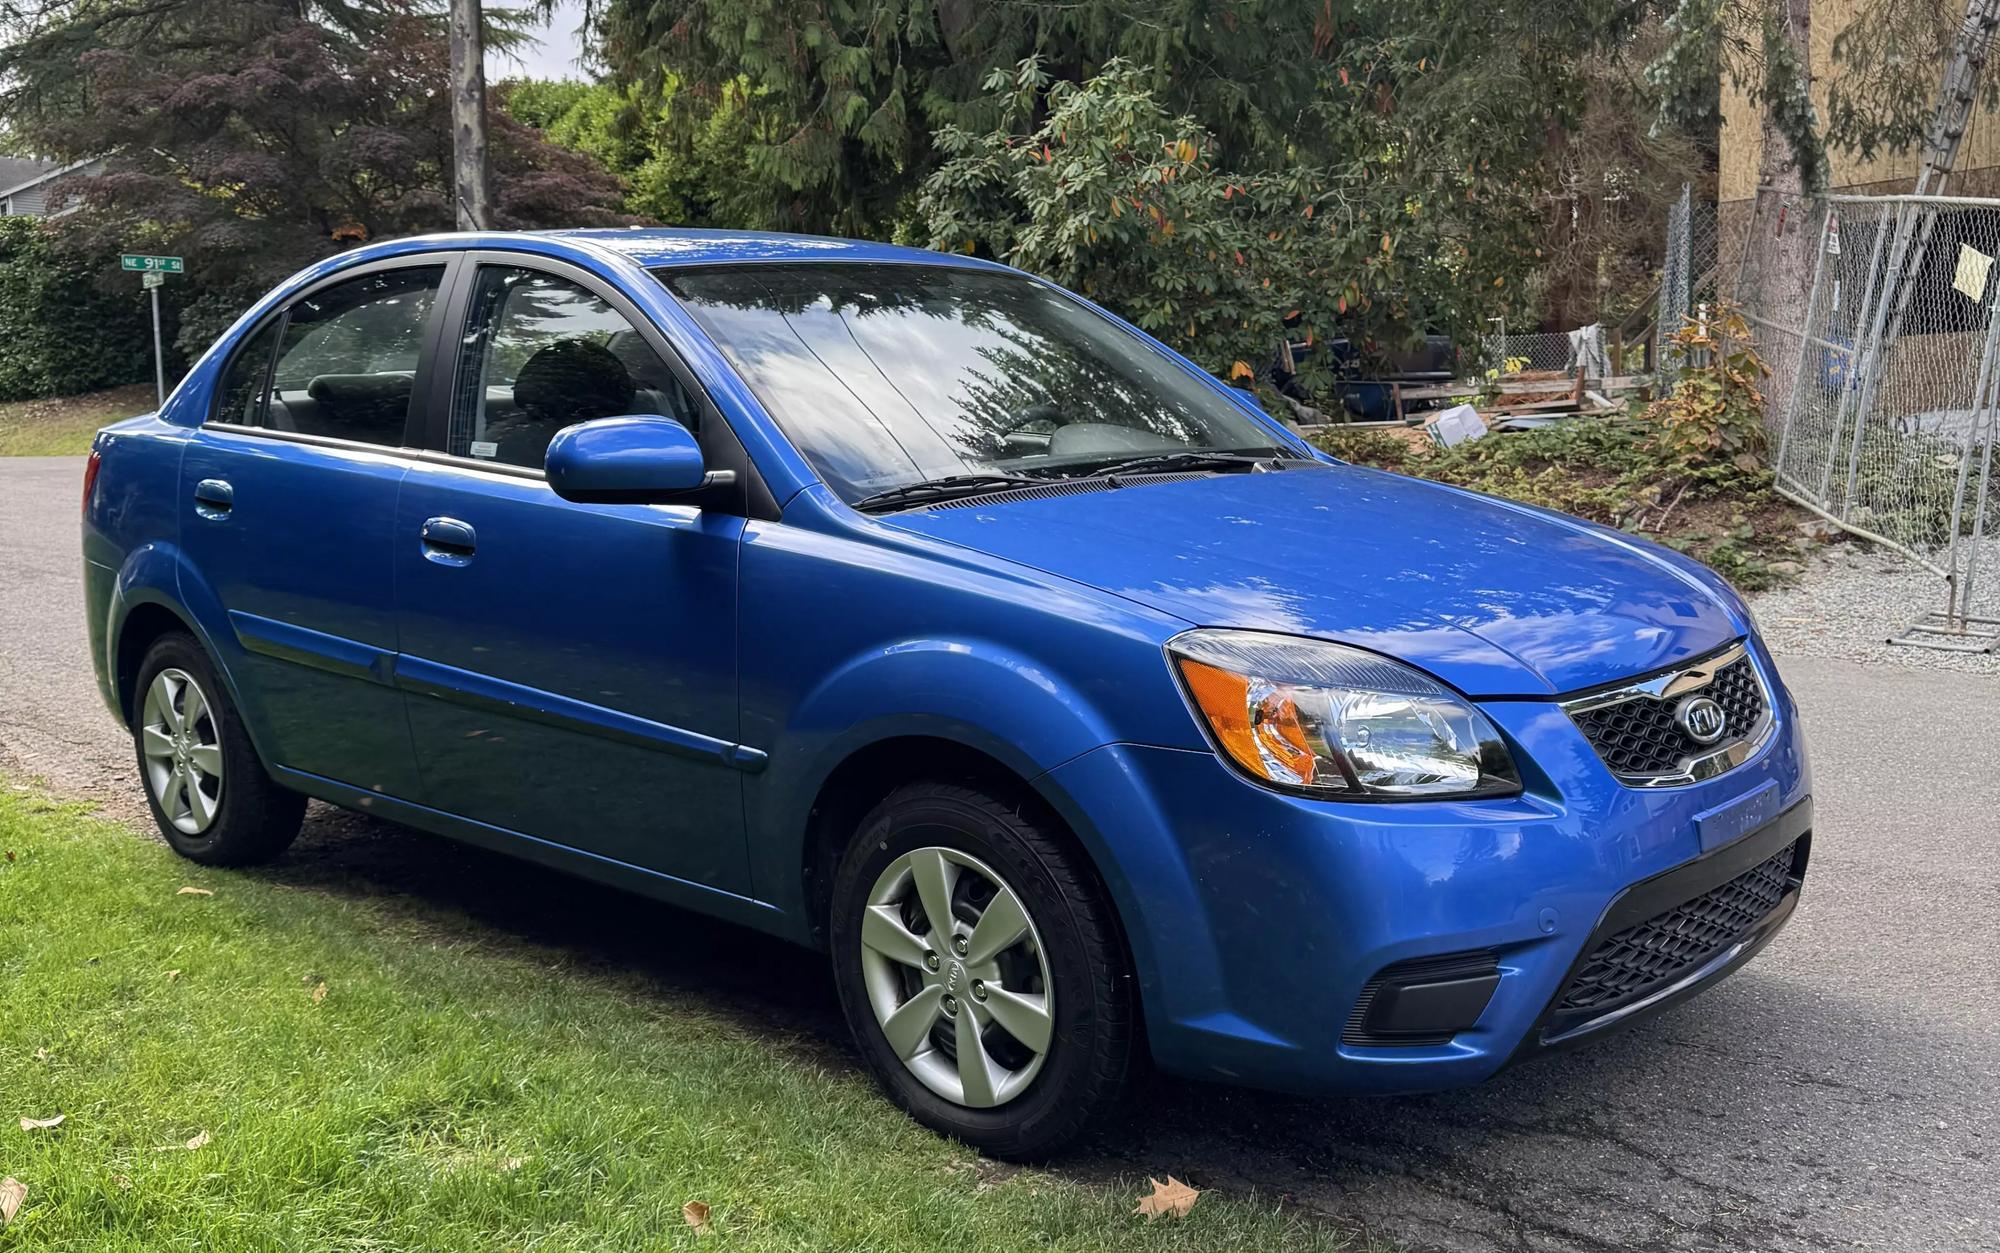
x=890, y=375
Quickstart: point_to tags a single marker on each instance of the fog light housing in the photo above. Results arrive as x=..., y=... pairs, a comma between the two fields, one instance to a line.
x=1427, y=1000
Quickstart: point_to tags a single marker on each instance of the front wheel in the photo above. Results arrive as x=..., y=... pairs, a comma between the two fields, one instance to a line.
x=204, y=782
x=981, y=971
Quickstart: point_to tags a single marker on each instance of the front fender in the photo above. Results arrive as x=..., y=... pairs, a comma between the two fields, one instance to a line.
x=972, y=693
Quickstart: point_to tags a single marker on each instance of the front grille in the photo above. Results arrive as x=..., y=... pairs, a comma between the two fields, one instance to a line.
x=1639, y=737
x=1640, y=960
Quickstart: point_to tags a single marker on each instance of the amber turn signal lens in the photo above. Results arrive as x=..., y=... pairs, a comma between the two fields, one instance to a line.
x=1260, y=732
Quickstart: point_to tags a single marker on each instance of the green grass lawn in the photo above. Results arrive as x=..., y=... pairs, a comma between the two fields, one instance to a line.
x=449, y=1090
x=62, y=426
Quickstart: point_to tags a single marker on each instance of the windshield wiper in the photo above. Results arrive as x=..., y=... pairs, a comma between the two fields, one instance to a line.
x=950, y=487
x=1191, y=459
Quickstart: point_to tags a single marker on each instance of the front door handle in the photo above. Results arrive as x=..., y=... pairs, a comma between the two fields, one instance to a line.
x=448, y=541
x=214, y=498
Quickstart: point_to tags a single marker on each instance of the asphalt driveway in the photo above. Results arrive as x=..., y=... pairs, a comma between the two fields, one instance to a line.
x=1842, y=1091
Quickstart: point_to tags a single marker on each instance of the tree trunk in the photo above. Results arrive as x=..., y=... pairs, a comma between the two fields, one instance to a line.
x=1786, y=226
x=468, y=117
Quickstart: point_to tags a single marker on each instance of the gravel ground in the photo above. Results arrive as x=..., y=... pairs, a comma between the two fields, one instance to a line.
x=1854, y=596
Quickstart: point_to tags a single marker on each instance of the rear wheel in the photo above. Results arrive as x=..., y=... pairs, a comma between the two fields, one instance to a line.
x=204, y=783
x=980, y=969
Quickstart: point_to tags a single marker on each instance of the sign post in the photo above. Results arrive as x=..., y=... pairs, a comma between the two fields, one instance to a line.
x=153, y=273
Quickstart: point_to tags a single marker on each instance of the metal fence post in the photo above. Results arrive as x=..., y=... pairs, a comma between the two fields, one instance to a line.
x=1867, y=358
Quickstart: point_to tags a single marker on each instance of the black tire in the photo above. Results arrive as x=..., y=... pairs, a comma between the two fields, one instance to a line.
x=254, y=819
x=1090, y=1059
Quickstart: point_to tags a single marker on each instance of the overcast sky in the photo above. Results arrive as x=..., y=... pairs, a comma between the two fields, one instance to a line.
x=554, y=55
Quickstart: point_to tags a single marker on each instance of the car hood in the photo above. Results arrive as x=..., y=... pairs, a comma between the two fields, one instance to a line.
x=1495, y=598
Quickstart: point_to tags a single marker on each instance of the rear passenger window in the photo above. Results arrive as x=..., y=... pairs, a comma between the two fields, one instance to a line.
x=348, y=364
x=541, y=353
x=240, y=398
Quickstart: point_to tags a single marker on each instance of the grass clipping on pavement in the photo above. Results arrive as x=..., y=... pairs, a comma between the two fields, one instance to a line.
x=268, y=1067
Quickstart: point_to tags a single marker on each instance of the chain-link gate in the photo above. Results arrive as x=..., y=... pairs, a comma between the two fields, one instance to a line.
x=1880, y=320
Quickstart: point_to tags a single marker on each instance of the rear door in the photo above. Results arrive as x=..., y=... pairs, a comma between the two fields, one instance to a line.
x=571, y=668
x=288, y=497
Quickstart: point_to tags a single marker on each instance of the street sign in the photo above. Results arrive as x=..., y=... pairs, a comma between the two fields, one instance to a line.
x=152, y=278
x=143, y=261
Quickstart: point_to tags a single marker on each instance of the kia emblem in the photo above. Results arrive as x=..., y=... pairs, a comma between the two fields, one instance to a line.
x=1702, y=719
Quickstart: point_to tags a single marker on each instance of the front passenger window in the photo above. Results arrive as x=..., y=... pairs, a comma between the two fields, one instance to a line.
x=541, y=353
x=347, y=366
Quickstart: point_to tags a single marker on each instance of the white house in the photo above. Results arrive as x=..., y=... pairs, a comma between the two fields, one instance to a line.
x=25, y=181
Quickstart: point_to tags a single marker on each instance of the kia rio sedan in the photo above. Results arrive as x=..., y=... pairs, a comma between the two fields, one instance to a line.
x=909, y=607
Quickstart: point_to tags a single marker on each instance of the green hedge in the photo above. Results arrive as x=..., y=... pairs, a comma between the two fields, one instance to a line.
x=59, y=332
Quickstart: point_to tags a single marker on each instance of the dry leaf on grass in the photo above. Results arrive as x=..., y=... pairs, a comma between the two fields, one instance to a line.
x=12, y=1193
x=173, y=975
x=199, y=1140
x=42, y=1124
x=1172, y=1199
x=202, y=1139
x=695, y=1214
x=194, y=892
x=319, y=992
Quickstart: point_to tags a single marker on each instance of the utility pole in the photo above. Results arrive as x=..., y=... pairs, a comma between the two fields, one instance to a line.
x=468, y=117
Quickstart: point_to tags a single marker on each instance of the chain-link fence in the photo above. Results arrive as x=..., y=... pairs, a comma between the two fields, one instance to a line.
x=1880, y=321
x=1513, y=353
x=1692, y=268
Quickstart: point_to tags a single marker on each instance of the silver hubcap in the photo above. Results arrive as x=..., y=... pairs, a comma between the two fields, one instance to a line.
x=956, y=976
x=183, y=751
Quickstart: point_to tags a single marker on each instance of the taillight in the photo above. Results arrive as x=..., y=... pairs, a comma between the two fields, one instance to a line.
x=90, y=469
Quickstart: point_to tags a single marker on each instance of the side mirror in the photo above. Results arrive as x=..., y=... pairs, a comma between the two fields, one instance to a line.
x=635, y=460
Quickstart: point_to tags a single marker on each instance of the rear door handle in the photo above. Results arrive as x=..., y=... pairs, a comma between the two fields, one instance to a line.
x=214, y=498
x=448, y=541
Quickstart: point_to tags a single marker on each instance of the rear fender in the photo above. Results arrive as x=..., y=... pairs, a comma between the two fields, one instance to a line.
x=160, y=574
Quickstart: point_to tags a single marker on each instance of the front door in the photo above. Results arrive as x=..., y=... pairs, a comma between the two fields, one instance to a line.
x=287, y=496
x=571, y=669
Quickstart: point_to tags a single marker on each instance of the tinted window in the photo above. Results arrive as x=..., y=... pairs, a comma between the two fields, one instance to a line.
x=239, y=398
x=348, y=363
x=892, y=374
x=541, y=353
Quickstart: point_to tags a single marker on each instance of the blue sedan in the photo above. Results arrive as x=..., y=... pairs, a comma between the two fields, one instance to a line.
x=910, y=607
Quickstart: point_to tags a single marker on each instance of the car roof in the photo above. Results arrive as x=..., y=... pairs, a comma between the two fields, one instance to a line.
x=654, y=246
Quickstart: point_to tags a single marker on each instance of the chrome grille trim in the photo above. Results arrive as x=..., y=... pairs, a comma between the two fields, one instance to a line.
x=1668, y=688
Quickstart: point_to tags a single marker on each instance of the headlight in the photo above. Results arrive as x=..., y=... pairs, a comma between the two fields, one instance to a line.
x=1325, y=719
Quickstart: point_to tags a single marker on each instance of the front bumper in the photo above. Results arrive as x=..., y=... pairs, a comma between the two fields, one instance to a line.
x=1257, y=919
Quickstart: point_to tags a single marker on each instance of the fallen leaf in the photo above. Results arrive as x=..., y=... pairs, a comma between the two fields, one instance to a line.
x=695, y=1214
x=194, y=892
x=173, y=975
x=201, y=1139
x=319, y=992
x=42, y=1124
x=12, y=1193
x=1172, y=1199
x=10, y=854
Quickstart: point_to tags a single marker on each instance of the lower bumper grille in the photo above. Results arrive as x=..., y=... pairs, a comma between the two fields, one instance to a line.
x=1642, y=959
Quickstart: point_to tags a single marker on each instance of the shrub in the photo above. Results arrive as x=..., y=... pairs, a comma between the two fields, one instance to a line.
x=1684, y=473
x=59, y=333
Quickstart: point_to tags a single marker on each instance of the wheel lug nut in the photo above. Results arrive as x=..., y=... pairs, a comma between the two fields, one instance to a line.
x=950, y=1004
x=978, y=989
x=960, y=944
x=930, y=961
